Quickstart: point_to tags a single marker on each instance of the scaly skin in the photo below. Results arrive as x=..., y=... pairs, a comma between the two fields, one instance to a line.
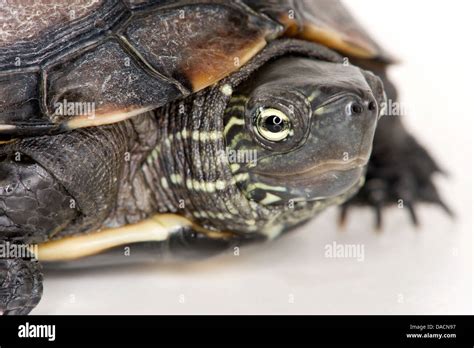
x=21, y=286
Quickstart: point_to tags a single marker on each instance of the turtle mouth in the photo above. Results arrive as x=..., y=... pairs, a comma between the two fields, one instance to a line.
x=328, y=167
x=322, y=181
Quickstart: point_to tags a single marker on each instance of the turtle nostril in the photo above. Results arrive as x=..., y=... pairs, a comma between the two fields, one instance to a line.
x=372, y=106
x=356, y=108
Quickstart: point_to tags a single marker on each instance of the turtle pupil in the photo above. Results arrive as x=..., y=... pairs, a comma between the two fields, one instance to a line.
x=356, y=108
x=274, y=124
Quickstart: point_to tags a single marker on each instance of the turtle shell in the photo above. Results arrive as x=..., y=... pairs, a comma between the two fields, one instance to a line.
x=82, y=63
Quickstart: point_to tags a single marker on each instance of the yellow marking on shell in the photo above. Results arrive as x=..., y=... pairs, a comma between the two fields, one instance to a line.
x=75, y=247
x=155, y=229
x=270, y=198
x=202, y=77
x=7, y=141
x=4, y=127
x=104, y=118
x=338, y=41
x=184, y=133
x=233, y=121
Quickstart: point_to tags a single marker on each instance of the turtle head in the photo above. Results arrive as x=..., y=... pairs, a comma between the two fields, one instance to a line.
x=307, y=127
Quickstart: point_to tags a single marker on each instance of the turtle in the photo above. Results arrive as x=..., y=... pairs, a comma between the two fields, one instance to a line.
x=141, y=130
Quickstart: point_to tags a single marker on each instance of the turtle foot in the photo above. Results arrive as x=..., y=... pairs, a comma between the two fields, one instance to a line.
x=400, y=175
x=21, y=286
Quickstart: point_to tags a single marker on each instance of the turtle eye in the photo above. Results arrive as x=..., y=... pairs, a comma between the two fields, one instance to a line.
x=272, y=124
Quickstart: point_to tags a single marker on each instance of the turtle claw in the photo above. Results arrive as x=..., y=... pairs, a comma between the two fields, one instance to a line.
x=378, y=217
x=402, y=178
x=343, y=216
x=343, y=213
x=446, y=209
x=430, y=194
x=413, y=216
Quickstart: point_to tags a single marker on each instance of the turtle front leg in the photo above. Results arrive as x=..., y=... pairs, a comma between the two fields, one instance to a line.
x=21, y=286
x=400, y=171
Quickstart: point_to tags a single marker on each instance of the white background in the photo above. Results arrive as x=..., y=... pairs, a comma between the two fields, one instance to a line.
x=406, y=270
